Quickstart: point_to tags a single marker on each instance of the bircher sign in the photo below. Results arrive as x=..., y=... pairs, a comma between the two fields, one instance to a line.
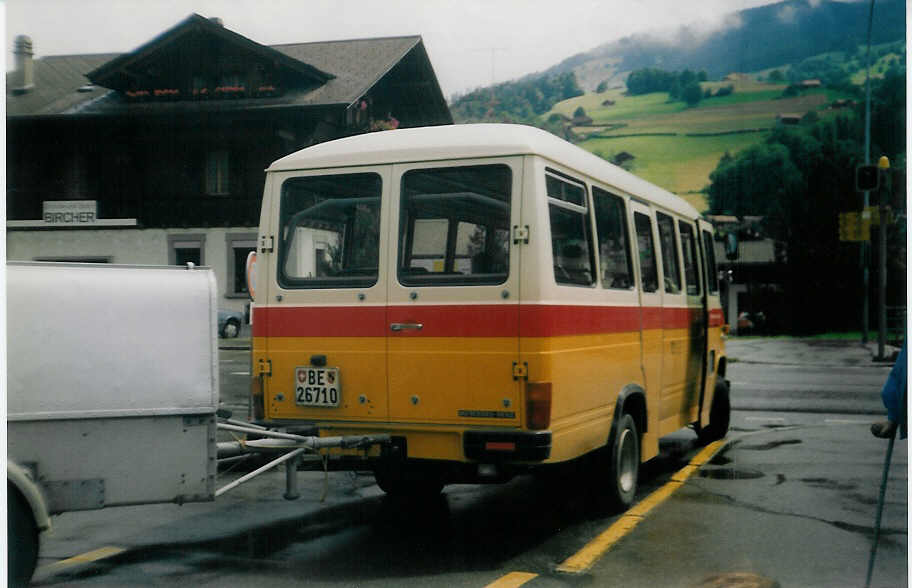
x=70, y=212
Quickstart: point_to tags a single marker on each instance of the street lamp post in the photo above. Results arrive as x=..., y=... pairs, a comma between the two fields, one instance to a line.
x=883, y=165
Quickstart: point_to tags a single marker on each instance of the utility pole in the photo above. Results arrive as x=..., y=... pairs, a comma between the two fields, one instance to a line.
x=493, y=51
x=865, y=257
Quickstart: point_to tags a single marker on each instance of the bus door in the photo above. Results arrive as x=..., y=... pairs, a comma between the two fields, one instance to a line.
x=650, y=300
x=323, y=317
x=676, y=404
x=713, y=318
x=453, y=315
x=696, y=319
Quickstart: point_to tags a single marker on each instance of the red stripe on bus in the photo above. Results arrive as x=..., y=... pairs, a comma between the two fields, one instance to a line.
x=462, y=320
x=487, y=320
x=320, y=321
x=554, y=321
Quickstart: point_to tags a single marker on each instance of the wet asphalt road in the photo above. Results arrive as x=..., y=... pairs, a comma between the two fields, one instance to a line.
x=469, y=536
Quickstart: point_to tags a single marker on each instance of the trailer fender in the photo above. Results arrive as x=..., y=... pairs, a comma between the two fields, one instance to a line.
x=22, y=480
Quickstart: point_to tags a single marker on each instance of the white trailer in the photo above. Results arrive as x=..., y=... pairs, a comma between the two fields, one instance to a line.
x=112, y=396
x=112, y=391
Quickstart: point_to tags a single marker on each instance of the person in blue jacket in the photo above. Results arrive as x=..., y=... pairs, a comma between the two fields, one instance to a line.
x=894, y=399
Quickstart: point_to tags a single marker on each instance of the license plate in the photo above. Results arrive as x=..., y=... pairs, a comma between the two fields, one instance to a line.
x=317, y=386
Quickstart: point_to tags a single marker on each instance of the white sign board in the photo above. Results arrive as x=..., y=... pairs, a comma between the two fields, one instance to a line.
x=70, y=212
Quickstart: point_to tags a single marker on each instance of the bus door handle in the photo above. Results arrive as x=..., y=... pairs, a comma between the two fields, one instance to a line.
x=406, y=326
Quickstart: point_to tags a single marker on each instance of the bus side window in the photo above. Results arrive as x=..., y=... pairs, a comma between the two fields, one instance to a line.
x=689, y=248
x=712, y=278
x=670, y=263
x=649, y=276
x=613, y=241
x=569, y=232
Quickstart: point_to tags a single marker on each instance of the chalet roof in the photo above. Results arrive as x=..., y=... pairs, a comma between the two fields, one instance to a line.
x=112, y=74
x=345, y=71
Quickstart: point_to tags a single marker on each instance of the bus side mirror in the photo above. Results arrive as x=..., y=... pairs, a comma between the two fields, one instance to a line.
x=731, y=246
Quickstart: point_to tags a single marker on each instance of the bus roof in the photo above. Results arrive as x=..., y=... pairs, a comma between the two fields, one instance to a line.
x=474, y=141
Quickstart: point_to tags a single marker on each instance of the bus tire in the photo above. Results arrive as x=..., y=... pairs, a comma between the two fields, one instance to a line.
x=620, y=473
x=407, y=482
x=21, y=537
x=719, y=415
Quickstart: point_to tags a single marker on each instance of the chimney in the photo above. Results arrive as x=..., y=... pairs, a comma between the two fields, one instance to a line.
x=24, y=74
x=217, y=20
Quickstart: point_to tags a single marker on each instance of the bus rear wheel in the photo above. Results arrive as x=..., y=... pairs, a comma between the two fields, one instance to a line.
x=411, y=482
x=619, y=464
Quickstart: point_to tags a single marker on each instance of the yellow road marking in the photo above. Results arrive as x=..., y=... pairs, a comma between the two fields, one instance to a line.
x=707, y=453
x=583, y=559
x=512, y=580
x=88, y=557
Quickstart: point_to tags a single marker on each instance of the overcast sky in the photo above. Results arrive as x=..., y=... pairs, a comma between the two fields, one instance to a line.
x=470, y=42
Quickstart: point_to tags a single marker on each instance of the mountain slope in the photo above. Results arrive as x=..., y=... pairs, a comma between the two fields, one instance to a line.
x=749, y=40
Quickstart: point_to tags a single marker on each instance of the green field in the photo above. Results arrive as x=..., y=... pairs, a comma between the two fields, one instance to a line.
x=676, y=146
x=680, y=164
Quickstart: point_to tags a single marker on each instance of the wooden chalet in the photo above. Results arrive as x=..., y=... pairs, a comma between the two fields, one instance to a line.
x=156, y=156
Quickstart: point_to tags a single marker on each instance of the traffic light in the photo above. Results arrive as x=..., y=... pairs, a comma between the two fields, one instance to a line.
x=866, y=178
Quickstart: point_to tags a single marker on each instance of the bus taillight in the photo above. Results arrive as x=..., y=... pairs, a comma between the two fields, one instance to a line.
x=538, y=405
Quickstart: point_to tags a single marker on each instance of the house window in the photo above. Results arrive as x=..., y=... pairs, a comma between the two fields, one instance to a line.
x=217, y=176
x=200, y=87
x=184, y=249
x=239, y=246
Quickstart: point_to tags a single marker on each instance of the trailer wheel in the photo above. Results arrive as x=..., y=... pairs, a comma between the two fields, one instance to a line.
x=619, y=464
x=719, y=415
x=399, y=481
x=21, y=537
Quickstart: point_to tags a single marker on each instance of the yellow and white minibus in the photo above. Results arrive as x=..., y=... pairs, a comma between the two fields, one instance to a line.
x=492, y=297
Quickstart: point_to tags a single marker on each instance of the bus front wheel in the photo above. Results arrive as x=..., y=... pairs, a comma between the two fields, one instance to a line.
x=719, y=415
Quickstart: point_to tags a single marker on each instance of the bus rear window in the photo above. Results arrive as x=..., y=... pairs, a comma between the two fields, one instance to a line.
x=330, y=231
x=454, y=226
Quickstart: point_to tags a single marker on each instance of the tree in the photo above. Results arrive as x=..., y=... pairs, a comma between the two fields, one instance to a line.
x=776, y=76
x=799, y=180
x=579, y=112
x=692, y=94
x=603, y=85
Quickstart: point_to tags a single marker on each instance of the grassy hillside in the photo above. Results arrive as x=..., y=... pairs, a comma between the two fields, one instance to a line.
x=676, y=146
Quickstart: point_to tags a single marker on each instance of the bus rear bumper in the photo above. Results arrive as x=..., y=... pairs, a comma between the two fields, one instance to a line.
x=513, y=446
